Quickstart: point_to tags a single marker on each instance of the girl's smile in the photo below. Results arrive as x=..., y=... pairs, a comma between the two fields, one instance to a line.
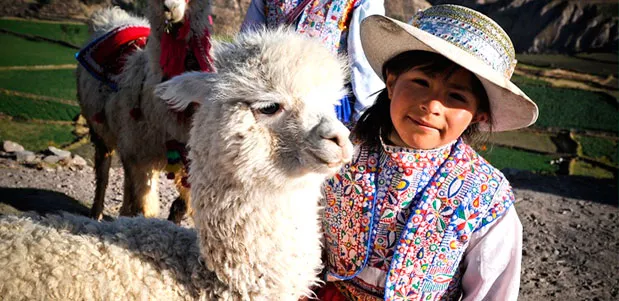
x=429, y=110
x=422, y=124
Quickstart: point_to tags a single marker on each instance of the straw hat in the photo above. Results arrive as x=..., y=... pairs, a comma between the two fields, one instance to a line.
x=468, y=38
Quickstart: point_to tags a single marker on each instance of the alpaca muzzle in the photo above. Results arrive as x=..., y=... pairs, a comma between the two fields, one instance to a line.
x=174, y=11
x=342, y=141
x=336, y=148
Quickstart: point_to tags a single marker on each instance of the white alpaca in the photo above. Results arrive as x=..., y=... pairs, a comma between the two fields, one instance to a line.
x=263, y=139
x=135, y=122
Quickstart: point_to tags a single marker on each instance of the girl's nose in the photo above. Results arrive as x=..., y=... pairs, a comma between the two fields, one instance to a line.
x=432, y=105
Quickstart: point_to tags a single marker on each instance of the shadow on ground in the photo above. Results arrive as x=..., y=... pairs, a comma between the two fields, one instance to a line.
x=603, y=191
x=41, y=201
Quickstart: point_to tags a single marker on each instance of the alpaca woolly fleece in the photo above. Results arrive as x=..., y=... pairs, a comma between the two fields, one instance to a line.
x=68, y=257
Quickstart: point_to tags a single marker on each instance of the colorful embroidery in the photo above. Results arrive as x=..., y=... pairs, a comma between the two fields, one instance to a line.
x=423, y=260
x=326, y=20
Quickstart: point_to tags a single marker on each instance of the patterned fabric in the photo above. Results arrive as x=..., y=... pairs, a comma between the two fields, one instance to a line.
x=472, y=32
x=327, y=20
x=175, y=48
x=105, y=56
x=177, y=161
x=411, y=214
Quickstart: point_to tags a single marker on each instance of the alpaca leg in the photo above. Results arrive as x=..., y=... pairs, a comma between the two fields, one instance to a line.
x=148, y=195
x=103, y=160
x=141, y=191
x=182, y=205
x=127, y=208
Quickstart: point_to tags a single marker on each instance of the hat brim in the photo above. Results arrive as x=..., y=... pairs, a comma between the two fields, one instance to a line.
x=383, y=38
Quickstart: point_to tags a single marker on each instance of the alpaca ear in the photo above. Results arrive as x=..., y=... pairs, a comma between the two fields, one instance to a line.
x=183, y=90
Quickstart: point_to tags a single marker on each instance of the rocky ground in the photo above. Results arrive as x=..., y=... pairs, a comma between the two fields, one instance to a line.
x=571, y=224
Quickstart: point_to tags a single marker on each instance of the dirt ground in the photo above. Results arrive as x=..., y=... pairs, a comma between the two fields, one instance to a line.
x=571, y=224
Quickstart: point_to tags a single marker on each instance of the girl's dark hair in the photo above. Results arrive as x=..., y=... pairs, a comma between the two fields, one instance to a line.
x=376, y=119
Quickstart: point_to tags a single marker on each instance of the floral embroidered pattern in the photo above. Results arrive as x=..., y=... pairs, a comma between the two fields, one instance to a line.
x=327, y=20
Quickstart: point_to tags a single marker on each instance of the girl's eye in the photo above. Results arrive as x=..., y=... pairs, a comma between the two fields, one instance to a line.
x=421, y=82
x=270, y=109
x=458, y=97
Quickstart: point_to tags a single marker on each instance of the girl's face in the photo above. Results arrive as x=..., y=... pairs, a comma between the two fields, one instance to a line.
x=429, y=110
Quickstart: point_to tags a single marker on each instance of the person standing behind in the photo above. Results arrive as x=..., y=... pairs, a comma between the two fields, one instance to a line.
x=336, y=23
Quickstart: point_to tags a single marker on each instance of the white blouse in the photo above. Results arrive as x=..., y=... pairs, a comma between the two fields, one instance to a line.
x=493, y=259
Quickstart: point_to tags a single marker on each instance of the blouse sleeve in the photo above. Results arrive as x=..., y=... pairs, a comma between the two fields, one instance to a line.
x=364, y=81
x=492, y=260
x=255, y=16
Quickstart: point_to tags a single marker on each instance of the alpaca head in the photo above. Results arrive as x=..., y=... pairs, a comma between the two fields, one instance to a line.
x=169, y=10
x=268, y=113
x=171, y=14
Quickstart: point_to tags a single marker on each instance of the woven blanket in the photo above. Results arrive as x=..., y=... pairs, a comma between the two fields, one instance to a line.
x=105, y=56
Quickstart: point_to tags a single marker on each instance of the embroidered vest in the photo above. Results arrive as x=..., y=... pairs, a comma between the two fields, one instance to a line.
x=326, y=20
x=459, y=199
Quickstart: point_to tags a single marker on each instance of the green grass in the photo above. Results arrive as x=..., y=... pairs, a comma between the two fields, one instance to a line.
x=584, y=63
x=503, y=157
x=36, y=136
x=611, y=58
x=523, y=80
x=76, y=34
x=54, y=83
x=16, y=51
x=573, y=109
x=597, y=148
x=26, y=108
x=539, y=142
x=582, y=168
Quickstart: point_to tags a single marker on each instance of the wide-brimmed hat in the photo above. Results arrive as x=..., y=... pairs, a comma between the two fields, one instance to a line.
x=466, y=37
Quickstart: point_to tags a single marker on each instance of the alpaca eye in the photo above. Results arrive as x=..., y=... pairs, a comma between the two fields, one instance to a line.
x=270, y=109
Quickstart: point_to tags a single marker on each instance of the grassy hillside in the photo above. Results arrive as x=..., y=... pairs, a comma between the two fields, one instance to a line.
x=74, y=34
x=603, y=64
x=36, y=136
x=16, y=51
x=504, y=157
x=54, y=83
x=37, y=106
x=24, y=108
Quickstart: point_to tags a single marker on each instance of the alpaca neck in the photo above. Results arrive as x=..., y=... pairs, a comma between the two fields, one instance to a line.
x=198, y=16
x=264, y=242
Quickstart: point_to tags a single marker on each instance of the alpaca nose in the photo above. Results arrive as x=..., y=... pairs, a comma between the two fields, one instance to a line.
x=336, y=138
x=338, y=134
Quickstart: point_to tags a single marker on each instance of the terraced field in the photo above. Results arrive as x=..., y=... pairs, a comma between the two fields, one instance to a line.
x=38, y=103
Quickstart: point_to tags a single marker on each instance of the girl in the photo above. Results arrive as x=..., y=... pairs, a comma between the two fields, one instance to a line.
x=336, y=23
x=419, y=215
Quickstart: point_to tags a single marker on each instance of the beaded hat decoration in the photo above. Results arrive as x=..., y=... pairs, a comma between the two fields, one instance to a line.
x=469, y=39
x=471, y=31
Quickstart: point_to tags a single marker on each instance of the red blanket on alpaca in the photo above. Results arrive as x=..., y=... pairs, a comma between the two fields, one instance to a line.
x=106, y=56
